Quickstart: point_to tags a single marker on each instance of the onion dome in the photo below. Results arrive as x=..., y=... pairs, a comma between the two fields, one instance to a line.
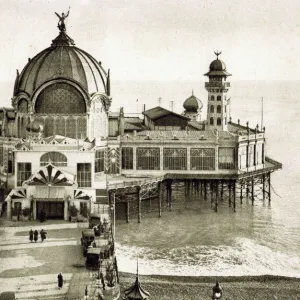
x=136, y=292
x=62, y=60
x=35, y=126
x=192, y=104
x=217, y=67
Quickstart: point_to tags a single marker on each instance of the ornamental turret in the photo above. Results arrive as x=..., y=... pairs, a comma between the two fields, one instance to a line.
x=217, y=87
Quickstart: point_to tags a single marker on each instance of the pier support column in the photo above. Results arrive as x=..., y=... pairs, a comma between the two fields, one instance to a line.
x=211, y=192
x=217, y=195
x=169, y=193
x=205, y=190
x=252, y=190
x=159, y=198
x=229, y=188
x=247, y=189
x=241, y=192
x=201, y=188
x=269, y=187
x=127, y=211
x=264, y=186
x=234, y=194
x=139, y=203
x=222, y=190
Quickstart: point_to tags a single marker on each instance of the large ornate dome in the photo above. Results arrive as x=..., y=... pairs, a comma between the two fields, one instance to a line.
x=62, y=59
x=217, y=68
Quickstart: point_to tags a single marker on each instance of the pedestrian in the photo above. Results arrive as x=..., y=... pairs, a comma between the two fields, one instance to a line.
x=36, y=236
x=60, y=280
x=43, y=235
x=31, y=235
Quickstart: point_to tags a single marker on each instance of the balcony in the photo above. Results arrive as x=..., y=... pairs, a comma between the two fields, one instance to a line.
x=217, y=84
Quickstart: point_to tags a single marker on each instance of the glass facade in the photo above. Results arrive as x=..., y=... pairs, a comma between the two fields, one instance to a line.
x=202, y=159
x=84, y=175
x=226, y=158
x=147, y=158
x=56, y=158
x=99, y=161
x=23, y=172
x=175, y=159
x=127, y=158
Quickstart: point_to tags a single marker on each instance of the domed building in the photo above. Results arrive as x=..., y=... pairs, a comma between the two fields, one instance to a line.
x=192, y=108
x=64, y=89
x=54, y=139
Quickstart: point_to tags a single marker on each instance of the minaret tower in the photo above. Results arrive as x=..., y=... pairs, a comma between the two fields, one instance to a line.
x=217, y=87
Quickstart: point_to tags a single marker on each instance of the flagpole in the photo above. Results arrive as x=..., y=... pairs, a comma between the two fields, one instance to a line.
x=262, y=113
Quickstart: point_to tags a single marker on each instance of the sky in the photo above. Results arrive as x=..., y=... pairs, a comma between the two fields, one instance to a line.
x=163, y=40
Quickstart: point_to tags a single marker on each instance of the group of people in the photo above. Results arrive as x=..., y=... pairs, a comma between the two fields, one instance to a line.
x=34, y=235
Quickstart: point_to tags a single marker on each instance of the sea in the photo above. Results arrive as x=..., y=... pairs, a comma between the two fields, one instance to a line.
x=193, y=240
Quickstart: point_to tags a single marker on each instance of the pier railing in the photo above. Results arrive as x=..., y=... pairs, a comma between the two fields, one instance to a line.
x=138, y=182
x=273, y=162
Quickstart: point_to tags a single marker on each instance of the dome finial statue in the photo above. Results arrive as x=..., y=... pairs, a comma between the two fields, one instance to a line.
x=218, y=53
x=61, y=23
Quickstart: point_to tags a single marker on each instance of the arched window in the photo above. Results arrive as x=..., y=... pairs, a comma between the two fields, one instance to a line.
x=212, y=109
x=211, y=121
x=60, y=98
x=219, y=121
x=219, y=98
x=219, y=109
x=56, y=158
x=212, y=98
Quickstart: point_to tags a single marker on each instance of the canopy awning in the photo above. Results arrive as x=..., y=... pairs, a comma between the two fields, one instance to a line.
x=46, y=192
x=50, y=175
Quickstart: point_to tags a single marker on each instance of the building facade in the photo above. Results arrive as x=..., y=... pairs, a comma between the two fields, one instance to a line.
x=61, y=146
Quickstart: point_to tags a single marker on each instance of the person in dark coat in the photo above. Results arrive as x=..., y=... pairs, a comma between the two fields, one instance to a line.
x=43, y=235
x=36, y=236
x=31, y=235
x=60, y=280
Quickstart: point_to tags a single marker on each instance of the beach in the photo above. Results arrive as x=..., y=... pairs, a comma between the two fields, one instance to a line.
x=234, y=287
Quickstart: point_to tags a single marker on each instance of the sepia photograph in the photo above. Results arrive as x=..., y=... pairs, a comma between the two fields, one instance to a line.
x=148, y=150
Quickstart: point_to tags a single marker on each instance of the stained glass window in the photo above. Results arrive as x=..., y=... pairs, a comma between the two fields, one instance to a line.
x=23, y=172
x=71, y=127
x=148, y=158
x=175, y=159
x=56, y=158
x=81, y=127
x=202, y=159
x=49, y=127
x=127, y=158
x=226, y=158
x=84, y=175
x=99, y=161
x=60, y=126
x=60, y=98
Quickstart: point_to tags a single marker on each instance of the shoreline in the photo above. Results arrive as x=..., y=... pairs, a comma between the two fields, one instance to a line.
x=207, y=279
x=261, y=287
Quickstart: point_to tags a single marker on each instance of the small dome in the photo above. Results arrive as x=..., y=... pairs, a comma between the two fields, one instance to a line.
x=217, y=65
x=217, y=68
x=192, y=104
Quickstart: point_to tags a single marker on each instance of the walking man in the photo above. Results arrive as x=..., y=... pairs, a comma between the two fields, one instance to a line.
x=31, y=235
x=36, y=236
x=60, y=280
x=43, y=235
